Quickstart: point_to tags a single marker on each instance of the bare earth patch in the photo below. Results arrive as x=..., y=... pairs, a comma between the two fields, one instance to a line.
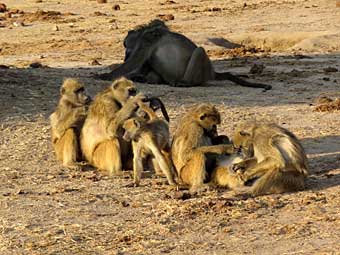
x=46, y=209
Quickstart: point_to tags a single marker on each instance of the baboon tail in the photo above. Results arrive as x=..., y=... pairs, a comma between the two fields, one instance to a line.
x=156, y=103
x=240, y=81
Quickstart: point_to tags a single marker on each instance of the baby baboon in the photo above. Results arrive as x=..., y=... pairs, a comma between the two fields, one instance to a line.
x=192, y=144
x=224, y=176
x=154, y=54
x=67, y=120
x=149, y=138
x=102, y=135
x=279, y=163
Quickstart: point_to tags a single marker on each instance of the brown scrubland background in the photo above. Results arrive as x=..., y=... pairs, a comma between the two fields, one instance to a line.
x=46, y=209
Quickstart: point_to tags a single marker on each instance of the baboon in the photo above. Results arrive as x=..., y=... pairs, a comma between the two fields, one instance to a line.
x=102, y=134
x=279, y=163
x=149, y=138
x=224, y=176
x=192, y=145
x=154, y=54
x=67, y=120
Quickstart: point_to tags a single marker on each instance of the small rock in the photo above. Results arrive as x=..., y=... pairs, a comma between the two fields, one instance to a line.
x=330, y=69
x=166, y=17
x=36, y=65
x=4, y=67
x=18, y=24
x=55, y=28
x=95, y=62
x=337, y=3
x=3, y=7
x=38, y=1
x=101, y=1
x=326, y=79
x=182, y=195
x=125, y=203
x=116, y=7
x=257, y=68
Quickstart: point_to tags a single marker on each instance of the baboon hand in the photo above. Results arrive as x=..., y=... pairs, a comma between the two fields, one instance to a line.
x=239, y=168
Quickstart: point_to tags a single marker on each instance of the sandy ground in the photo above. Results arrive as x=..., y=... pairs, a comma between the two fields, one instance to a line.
x=46, y=209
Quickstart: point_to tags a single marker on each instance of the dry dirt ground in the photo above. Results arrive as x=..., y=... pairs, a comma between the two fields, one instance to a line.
x=46, y=209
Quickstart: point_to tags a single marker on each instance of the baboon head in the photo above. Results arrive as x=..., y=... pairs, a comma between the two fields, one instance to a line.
x=243, y=138
x=123, y=89
x=132, y=128
x=208, y=117
x=73, y=92
x=134, y=36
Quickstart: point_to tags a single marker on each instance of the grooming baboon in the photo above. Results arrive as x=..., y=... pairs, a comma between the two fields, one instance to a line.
x=192, y=144
x=102, y=134
x=154, y=54
x=149, y=138
x=67, y=120
x=279, y=163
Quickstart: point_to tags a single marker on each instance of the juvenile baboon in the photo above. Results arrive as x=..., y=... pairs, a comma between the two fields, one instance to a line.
x=149, y=138
x=279, y=163
x=102, y=134
x=154, y=54
x=192, y=144
x=67, y=120
x=224, y=176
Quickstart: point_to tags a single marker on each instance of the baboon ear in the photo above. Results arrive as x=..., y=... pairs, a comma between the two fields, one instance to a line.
x=115, y=84
x=136, y=122
x=243, y=133
x=203, y=116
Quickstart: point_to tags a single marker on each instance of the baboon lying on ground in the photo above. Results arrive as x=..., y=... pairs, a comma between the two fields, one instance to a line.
x=192, y=145
x=102, y=140
x=149, y=138
x=279, y=163
x=67, y=121
x=154, y=54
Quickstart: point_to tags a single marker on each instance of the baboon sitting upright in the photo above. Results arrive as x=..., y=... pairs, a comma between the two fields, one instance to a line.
x=279, y=163
x=67, y=121
x=192, y=144
x=102, y=135
x=154, y=54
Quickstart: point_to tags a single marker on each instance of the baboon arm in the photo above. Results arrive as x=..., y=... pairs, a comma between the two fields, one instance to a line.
x=69, y=120
x=260, y=169
x=218, y=149
x=137, y=162
x=119, y=118
x=135, y=61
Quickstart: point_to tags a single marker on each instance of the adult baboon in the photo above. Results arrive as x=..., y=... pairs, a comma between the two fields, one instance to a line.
x=102, y=134
x=149, y=138
x=157, y=55
x=279, y=163
x=67, y=120
x=192, y=144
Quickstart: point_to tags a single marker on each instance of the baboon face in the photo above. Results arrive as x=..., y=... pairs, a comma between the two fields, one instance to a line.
x=242, y=140
x=209, y=118
x=123, y=89
x=74, y=92
x=130, y=42
x=131, y=127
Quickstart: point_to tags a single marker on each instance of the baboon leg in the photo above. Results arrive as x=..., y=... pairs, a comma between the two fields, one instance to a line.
x=193, y=173
x=156, y=167
x=163, y=163
x=199, y=69
x=106, y=157
x=67, y=149
x=137, y=163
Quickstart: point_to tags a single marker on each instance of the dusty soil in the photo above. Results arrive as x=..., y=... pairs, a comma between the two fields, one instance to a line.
x=46, y=209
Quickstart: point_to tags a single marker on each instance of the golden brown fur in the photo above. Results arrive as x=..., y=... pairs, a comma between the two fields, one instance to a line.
x=192, y=143
x=67, y=120
x=223, y=176
x=149, y=138
x=101, y=137
x=279, y=161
